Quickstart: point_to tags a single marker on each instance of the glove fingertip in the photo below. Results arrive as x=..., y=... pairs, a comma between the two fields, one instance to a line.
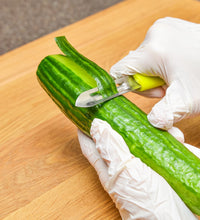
x=86, y=143
x=158, y=92
x=177, y=133
x=161, y=118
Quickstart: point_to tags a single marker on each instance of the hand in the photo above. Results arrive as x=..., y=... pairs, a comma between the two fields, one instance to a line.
x=138, y=191
x=171, y=50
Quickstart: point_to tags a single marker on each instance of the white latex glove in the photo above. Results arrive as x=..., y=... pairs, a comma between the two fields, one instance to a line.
x=171, y=50
x=137, y=190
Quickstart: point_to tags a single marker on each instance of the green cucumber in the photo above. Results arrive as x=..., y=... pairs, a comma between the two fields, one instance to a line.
x=65, y=77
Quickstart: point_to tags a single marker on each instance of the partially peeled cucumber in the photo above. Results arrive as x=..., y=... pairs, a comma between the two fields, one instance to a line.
x=65, y=77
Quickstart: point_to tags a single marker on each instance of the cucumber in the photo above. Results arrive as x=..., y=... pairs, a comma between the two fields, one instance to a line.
x=65, y=77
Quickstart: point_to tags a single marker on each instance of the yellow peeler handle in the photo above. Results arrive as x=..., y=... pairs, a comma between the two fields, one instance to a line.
x=148, y=82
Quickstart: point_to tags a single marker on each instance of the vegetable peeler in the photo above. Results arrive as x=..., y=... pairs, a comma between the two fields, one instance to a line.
x=137, y=82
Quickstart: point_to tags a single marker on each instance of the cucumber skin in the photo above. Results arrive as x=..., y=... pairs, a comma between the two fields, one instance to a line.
x=60, y=77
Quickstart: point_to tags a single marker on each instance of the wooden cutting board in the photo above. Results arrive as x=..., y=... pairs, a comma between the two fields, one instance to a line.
x=43, y=174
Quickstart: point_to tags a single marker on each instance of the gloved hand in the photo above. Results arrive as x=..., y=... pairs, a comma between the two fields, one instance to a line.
x=171, y=50
x=137, y=190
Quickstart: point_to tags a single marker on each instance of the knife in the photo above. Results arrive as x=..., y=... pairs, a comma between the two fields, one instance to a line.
x=137, y=82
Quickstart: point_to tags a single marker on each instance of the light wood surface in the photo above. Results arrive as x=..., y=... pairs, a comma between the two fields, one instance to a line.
x=43, y=174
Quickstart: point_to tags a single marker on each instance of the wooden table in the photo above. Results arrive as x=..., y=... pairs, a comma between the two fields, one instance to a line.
x=43, y=174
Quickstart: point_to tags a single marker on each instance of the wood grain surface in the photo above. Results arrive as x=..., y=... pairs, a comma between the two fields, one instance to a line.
x=43, y=174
